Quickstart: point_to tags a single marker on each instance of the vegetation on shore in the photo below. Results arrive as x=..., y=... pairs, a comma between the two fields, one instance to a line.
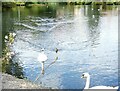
x=8, y=66
x=12, y=4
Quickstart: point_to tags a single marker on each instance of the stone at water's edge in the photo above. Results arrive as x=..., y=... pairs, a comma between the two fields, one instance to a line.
x=10, y=82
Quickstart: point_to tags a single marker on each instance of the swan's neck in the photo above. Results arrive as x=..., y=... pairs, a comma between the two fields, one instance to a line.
x=87, y=83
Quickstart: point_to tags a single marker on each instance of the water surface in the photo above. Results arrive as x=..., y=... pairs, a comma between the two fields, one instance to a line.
x=86, y=37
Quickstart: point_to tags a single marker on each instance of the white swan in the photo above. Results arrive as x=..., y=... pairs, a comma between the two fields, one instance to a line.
x=87, y=77
x=42, y=58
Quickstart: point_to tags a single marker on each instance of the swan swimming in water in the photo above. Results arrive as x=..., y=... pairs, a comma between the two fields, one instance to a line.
x=42, y=58
x=87, y=77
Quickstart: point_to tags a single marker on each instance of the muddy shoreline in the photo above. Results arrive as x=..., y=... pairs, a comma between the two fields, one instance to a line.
x=11, y=82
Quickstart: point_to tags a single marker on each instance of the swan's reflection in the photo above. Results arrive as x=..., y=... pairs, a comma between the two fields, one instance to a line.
x=42, y=69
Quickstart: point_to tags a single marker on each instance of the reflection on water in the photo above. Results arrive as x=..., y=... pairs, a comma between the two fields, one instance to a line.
x=85, y=36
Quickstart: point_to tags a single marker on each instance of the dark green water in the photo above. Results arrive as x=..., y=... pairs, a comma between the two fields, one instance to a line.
x=86, y=37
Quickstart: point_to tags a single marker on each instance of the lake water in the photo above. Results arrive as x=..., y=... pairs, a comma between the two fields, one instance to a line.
x=86, y=38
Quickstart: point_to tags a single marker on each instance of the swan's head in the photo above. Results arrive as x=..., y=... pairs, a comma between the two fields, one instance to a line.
x=42, y=49
x=56, y=50
x=85, y=75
